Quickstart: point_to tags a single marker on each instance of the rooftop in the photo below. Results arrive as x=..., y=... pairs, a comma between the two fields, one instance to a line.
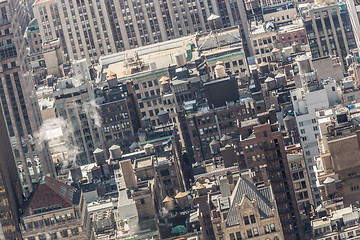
x=244, y=188
x=51, y=195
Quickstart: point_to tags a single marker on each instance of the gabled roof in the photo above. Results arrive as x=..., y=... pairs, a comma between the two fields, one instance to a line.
x=245, y=188
x=50, y=195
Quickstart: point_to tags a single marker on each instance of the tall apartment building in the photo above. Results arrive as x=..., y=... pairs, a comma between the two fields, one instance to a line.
x=313, y=95
x=264, y=147
x=75, y=103
x=329, y=30
x=18, y=98
x=10, y=187
x=120, y=117
x=89, y=29
x=301, y=183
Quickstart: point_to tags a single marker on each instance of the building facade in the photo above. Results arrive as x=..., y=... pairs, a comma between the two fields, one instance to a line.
x=18, y=98
x=249, y=213
x=120, y=117
x=314, y=95
x=89, y=29
x=265, y=146
x=60, y=214
x=10, y=187
x=329, y=31
x=75, y=103
x=339, y=144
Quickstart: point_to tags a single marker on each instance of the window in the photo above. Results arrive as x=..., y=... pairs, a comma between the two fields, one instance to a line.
x=302, y=131
x=272, y=227
x=42, y=237
x=351, y=98
x=315, y=128
x=232, y=236
x=256, y=232
x=142, y=201
x=246, y=220
x=75, y=231
x=307, y=153
x=53, y=235
x=64, y=233
x=252, y=218
x=249, y=233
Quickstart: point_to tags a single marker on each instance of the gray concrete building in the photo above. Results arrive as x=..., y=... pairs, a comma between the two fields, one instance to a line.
x=89, y=29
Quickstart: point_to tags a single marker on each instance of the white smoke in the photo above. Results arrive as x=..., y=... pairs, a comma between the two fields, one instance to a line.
x=93, y=108
x=163, y=212
x=58, y=132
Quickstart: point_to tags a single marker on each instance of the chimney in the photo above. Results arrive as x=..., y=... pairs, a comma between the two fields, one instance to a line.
x=128, y=174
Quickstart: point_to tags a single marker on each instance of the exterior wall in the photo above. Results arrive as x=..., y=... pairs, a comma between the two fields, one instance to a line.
x=117, y=124
x=262, y=45
x=18, y=98
x=354, y=13
x=301, y=182
x=148, y=93
x=78, y=109
x=235, y=63
x=330, y=35
x=287, y=38
x=343, y=149
x=281, y=16
x=267, y=147
x=202, y=128
x=69, y=223
x=10, y=187
x=105, y=27
x=305, y=105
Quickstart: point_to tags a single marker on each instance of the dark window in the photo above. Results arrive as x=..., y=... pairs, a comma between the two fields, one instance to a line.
x=246, y=220
x=252, y=219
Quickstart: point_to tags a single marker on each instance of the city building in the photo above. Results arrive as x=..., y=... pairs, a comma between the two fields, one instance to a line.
x=226, y=46
x=91, y=29
x=354, y=10
x=119, y=112
x=56, y=211
x=262, y=37
x=312, y=96
x=35, y=56
x=292, y=33
x=10, y=187
x=280, y=13
x=338, y=143
x=246, y=213
x=201, y=126
x=264, y=153
x=340, y=224
x=301, y=183
x=75, y=104
x=328, y=28
x=18, y=98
